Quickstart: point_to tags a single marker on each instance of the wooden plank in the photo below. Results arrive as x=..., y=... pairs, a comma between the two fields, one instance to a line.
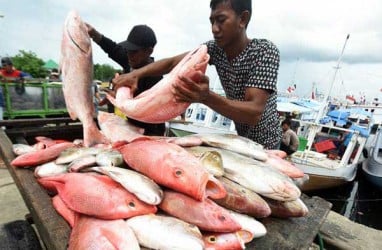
x=338, y=232
x=36, y=121
x=69, y=132
x=53, y=229
x=293, y=233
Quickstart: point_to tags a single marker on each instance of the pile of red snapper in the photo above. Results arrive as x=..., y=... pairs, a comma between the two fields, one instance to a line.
x=163, y=192
x=120, y=189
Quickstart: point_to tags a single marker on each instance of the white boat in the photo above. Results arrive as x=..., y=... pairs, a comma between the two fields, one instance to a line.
x=324, y=165
x=372, y=166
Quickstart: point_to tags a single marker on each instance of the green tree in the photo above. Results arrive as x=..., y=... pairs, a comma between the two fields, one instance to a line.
x=29, y=63
x=104, y=72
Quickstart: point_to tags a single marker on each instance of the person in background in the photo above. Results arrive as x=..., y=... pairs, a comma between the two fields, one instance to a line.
x=10, y=73
x=54, y=76
x=247, y=70
x=289, y=141
x=96, y=97
x=133, y=54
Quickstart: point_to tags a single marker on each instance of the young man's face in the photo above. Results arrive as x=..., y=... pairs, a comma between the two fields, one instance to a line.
x=8, y=68
x=138, y=58
x=285, y=127
x=225, y=25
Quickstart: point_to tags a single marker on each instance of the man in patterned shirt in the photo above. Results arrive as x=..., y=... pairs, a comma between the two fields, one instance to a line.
x=247, y=69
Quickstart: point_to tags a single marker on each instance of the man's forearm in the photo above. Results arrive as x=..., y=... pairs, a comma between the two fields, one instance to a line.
x=239, y=111
x=159, y=67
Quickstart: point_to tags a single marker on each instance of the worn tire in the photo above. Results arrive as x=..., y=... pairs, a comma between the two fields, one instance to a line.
x=18, y=235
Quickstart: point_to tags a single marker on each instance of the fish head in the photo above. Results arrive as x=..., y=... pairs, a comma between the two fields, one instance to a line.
x=195, y=60
x=213, y=162
x=77, y=32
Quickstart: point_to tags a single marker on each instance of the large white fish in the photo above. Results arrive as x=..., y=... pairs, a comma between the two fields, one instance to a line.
x=143, y=187
x=157, y=104
x=77, y=72
x=235, y=143
x=165, y=232
x=257, y=177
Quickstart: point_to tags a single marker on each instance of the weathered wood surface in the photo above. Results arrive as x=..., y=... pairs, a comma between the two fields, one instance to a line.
x=53, y=229
x=292, y=233
x=338, y=232
x=35, y=121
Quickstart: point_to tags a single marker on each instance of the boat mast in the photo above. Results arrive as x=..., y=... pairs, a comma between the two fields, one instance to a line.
x=326, y=98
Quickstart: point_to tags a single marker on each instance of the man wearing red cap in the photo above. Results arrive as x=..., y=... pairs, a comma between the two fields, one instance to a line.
x=132, y=54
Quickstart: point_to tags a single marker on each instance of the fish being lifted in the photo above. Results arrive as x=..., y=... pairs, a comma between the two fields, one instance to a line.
x=147, y=107
x=77, y=70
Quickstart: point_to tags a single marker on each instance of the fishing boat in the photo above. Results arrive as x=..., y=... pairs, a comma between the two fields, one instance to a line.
x=372, y=166
x=324, y=159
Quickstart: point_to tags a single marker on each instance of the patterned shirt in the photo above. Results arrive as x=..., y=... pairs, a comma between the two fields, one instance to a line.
x=255, y=67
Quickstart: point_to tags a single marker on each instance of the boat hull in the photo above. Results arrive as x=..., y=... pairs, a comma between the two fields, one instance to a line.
x=374, y=179
x=323, y=178
x=319, y=182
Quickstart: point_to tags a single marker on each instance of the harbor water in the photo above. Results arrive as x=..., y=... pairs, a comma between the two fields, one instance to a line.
x=359, y=201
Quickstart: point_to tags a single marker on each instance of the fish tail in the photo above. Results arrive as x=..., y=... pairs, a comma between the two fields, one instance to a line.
x=93, y=136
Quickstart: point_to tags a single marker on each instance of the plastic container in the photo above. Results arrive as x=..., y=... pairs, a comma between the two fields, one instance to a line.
x=323, y=146
x=302, y=143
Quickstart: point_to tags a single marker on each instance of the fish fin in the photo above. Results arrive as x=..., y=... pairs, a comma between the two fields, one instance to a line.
x=68, y=214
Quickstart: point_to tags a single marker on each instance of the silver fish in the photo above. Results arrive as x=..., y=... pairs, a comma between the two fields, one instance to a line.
x=165, y=233
x=141, y=186
x=109, y=158
x=235, y=143
x=20, y=149
x=50, y=169
x=211, y=160
x=256, y=176
x=70, y=154
x=81, y=163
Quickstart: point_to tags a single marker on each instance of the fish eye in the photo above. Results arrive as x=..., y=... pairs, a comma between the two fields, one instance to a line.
x=178, y=172
x=212, y=239
x=131, y=204
x=221, y=217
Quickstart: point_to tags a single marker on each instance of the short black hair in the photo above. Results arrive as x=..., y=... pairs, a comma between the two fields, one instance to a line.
x=237, y=5
x=6, y=61
x=287, y=122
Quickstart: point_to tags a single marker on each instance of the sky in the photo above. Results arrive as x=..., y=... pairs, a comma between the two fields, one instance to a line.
x=310, y=35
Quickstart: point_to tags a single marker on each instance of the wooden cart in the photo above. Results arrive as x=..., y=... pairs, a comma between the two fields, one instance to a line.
x=292, y=233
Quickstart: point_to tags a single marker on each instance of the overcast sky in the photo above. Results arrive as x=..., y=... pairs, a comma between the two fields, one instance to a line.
x=309, y=34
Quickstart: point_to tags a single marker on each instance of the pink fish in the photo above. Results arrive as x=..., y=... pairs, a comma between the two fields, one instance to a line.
x=68, y=214
x=206, y=214
x=172, y=166
x=223, y=241
x=283, y=166
x=46, y=142
x=110, y=123
x=40, y=156
x=96, y=195
x=158, y=104
x=243, y=200
x=92, y=233
x=77, y=71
